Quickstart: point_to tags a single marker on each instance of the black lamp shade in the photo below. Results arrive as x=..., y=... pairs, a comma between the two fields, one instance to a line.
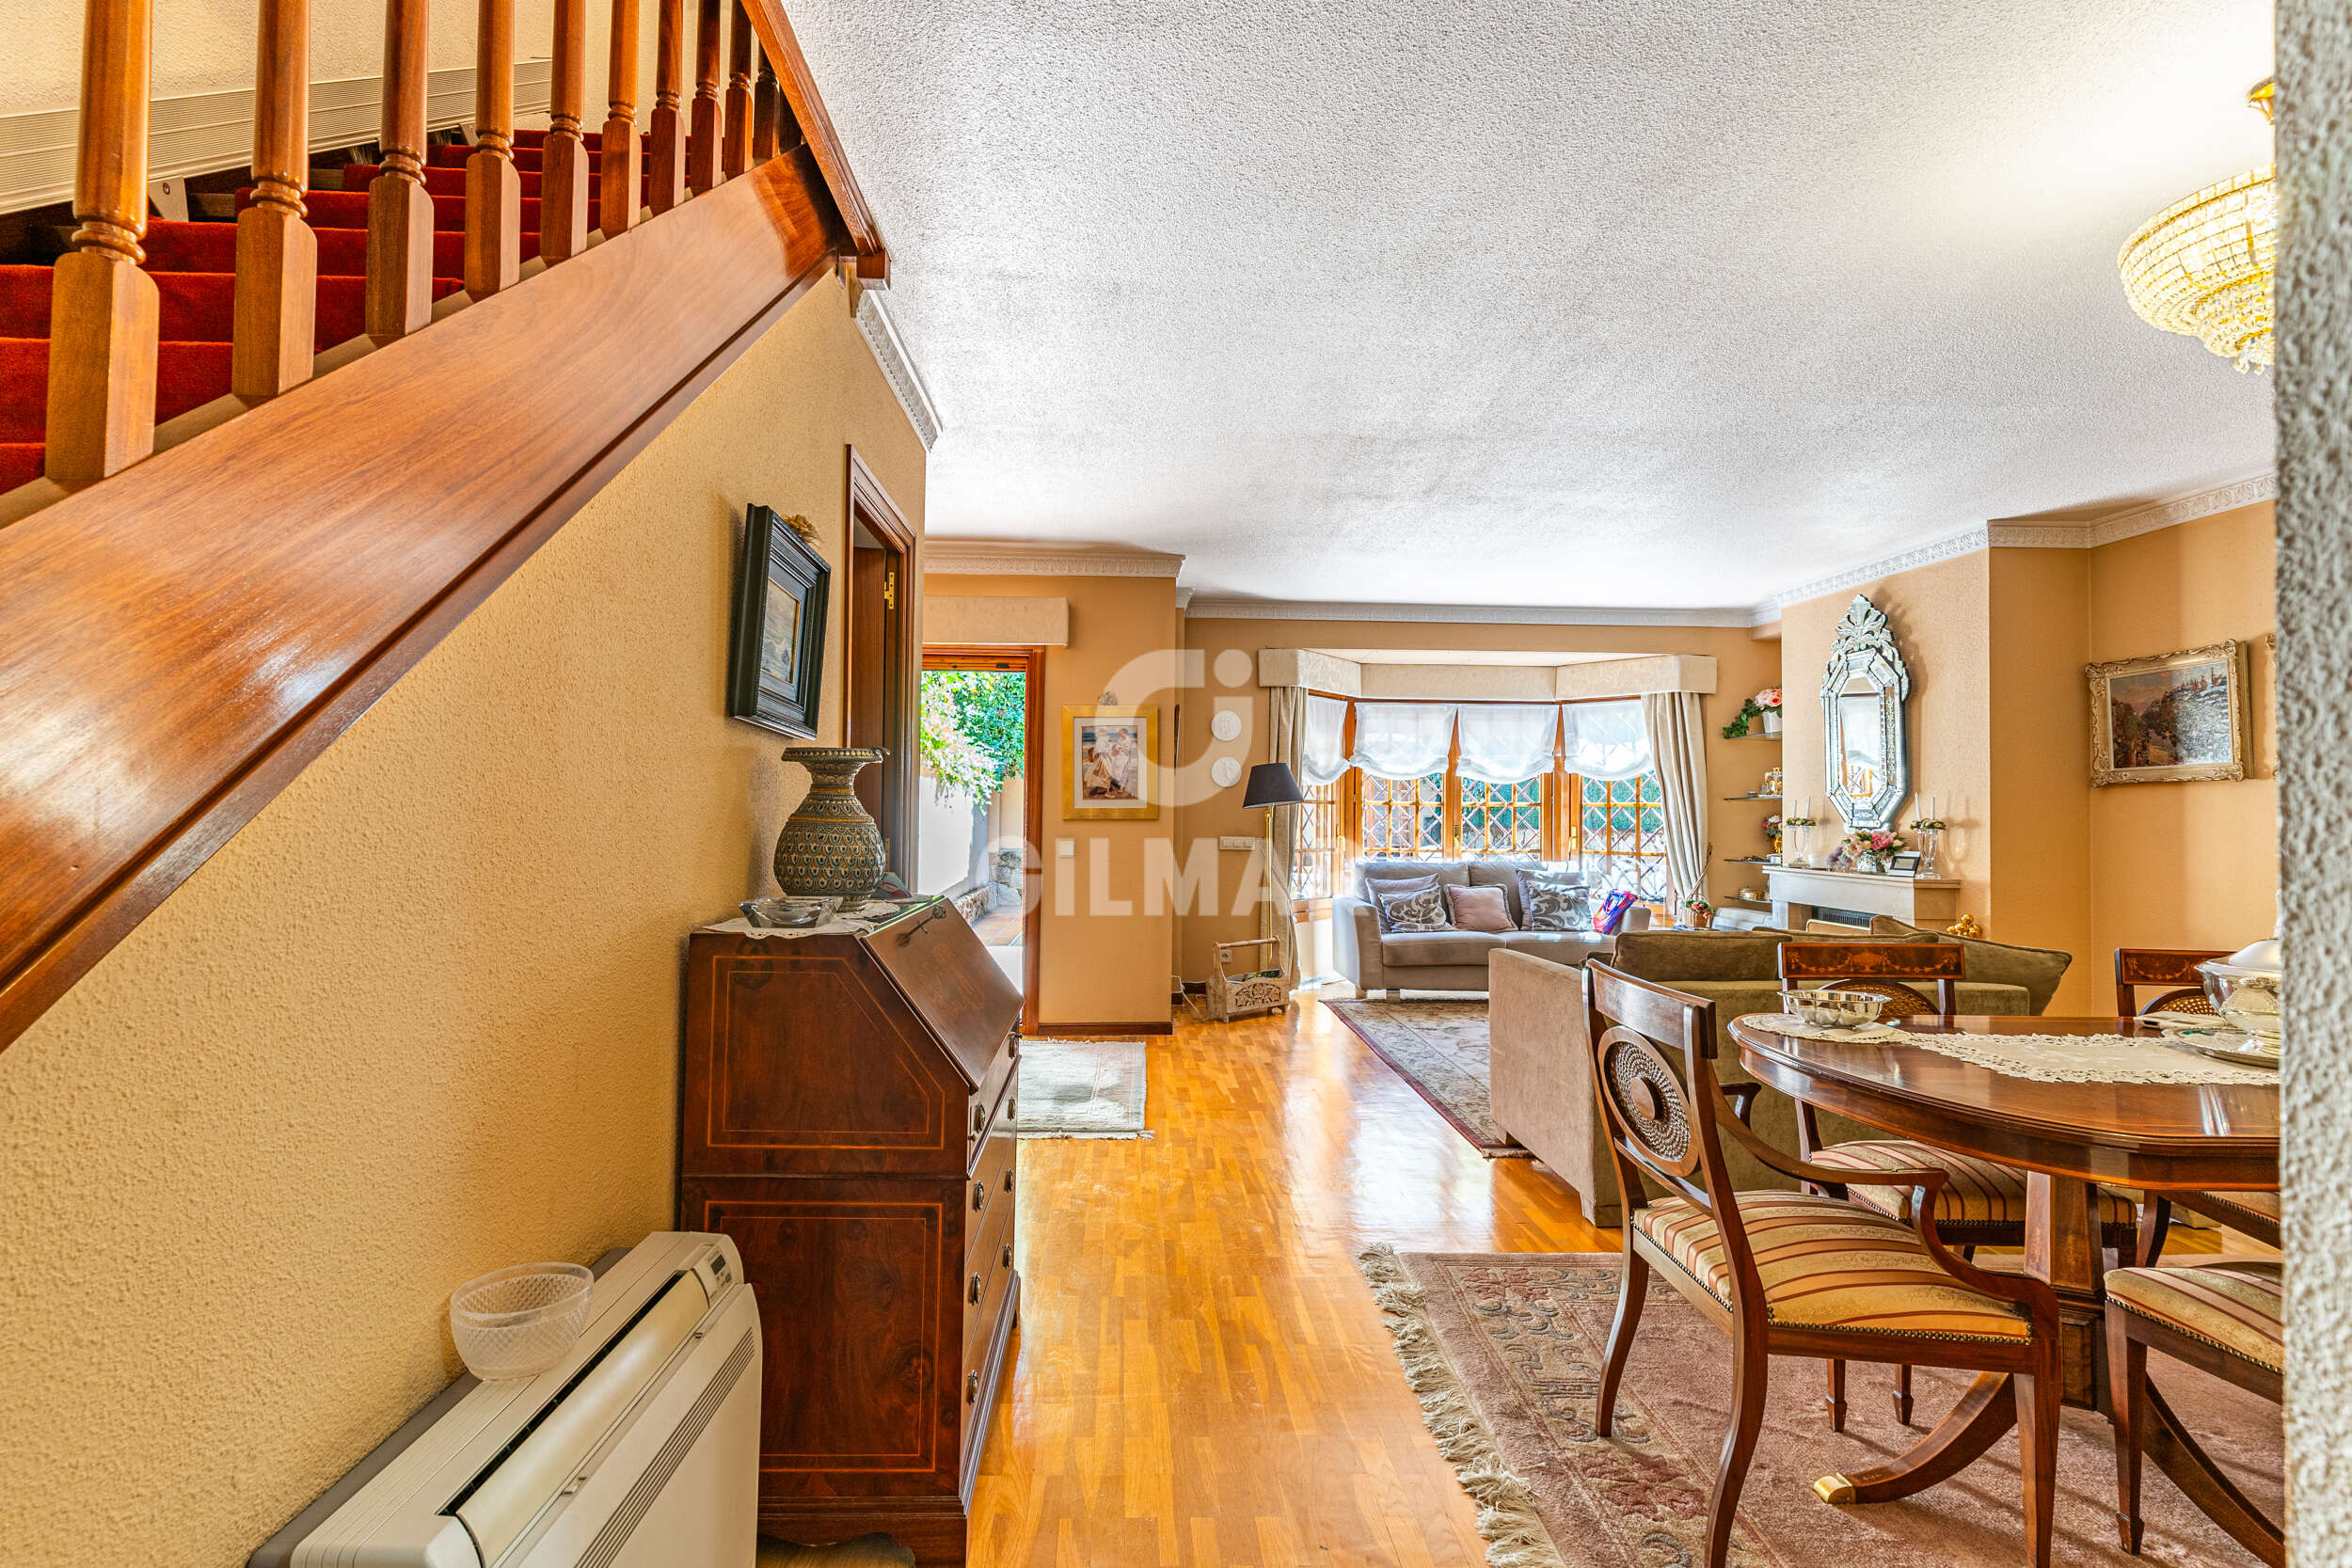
x=1271, y=785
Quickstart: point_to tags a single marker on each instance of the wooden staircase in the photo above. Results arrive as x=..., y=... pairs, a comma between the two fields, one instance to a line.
x=185, y=625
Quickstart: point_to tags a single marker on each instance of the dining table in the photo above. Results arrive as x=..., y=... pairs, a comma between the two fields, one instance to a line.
x=2068, y=1138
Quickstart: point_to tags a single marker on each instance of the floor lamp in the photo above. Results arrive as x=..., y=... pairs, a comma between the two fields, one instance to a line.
x=1271, y=785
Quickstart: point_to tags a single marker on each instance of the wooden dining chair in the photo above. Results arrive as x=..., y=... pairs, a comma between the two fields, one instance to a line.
x=2254, y=1214
x=2175, y=967
x=1791, y=1272
x=1982, y=1203
x=2225, y=1318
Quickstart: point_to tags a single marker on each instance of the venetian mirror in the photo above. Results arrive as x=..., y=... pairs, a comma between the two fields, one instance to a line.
x=1862, y=719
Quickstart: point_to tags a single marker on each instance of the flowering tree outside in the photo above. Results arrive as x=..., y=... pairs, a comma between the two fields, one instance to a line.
x=972, y=733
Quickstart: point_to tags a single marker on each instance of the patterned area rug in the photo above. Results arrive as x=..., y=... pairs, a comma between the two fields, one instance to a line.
x=1504, y=1350
x=1440, y=1049
x=1082, y=1089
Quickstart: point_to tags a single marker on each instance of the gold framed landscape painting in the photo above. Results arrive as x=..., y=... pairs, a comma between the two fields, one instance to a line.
x=1109, y=764
x=2175, y=717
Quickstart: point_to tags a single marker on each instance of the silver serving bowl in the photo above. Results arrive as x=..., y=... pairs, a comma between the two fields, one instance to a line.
x=1838, y=1010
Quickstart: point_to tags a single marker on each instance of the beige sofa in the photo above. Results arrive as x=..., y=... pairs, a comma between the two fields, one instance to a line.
x=1540, y=1076
x=1378, y=962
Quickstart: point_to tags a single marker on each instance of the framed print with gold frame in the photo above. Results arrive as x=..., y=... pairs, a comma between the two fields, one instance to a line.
x=2175, y=717
x=1111, y=764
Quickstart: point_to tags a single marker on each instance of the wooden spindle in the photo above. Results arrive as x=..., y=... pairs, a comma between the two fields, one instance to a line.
x=400, y=212
x=619, y=192
x=767, y=106
x=276, y=315
x=735, y=154
x=494, y=192
x=702, y=148
x=665, y=177
x=564, y=161
x=103, y=310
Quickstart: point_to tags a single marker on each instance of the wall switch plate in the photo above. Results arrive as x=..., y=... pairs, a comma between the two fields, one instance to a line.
x=1233, y=841
x=1065, y=848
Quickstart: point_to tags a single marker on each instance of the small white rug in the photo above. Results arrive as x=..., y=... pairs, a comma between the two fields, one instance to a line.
x=1082, y=1089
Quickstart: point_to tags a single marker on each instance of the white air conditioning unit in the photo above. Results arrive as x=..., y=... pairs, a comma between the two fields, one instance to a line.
x=641, y=1451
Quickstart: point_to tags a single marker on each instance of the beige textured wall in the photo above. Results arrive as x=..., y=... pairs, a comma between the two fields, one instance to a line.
x=416, y=1021
x=1099, y=962
x=2188, y=865
x=1938, y=613
x=2041, y=869
x=1745, y=665
x=2316, y=762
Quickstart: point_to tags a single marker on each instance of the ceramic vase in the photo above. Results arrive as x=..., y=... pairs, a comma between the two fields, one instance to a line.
x=1772, y=720
x=831, y=847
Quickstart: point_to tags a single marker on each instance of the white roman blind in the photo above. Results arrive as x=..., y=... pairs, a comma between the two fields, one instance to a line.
x=1504, y=743
x=1606, y=740
x=1322, y=748
x=1403, y=741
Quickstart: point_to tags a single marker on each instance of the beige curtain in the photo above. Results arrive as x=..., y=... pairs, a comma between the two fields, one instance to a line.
x=1289, y=708
x=1677, y=748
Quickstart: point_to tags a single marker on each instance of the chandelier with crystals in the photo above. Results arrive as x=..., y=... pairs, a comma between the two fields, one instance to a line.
x=2203, y=265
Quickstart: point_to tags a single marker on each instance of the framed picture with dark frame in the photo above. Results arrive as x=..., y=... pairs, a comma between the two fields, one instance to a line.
x=1904, y=862
x=777, y=662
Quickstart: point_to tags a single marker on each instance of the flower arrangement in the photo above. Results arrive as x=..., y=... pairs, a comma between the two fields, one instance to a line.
x=1928, y=825
x=1871, y=848
x=1697, y=911
x=1771, y=831
x=1768, y=700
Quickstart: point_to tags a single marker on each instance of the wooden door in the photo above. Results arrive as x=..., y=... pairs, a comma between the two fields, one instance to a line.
x=885, y=659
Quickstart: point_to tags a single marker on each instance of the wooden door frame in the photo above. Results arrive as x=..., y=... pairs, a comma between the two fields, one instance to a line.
x=902, y=656
x=1031, y=661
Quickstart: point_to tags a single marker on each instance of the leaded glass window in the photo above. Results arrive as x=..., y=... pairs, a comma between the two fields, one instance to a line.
x=1501, y=820
x=1403, y=818
x=1318, y=869
x=1621, y=835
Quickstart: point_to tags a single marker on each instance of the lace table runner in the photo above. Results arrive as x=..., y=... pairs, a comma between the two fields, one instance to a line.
x=2043, y=1058
x=859, y=924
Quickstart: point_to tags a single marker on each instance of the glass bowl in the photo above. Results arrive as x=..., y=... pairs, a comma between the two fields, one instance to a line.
x=521, y=1321
x=789, y=913
x=2247, y=999
x=1839, y=1009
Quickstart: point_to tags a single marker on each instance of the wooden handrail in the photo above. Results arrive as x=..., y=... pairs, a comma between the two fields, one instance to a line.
x=178, y=645
x=619, y=192
x=824, y=142
x=702, y=152
x=103, y=310
x=400, y=211
x=735, y=153
x=766, y=103
x=665, y=180
x=564, y=161
x=276, y=313
x=494, y=192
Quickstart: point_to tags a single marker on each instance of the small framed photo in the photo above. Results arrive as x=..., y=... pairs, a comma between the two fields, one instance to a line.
x=778, y=658
x=2170, y=719
x=1904, y=862
x=1109, y=762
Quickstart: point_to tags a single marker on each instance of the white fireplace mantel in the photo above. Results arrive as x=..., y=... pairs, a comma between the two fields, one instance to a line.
x=1798, y=891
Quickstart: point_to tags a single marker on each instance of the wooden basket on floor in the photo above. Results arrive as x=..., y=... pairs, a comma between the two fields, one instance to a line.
x=1231, y=994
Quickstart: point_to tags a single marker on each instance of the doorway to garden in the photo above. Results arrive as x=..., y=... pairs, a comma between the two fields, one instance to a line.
x=981, y=746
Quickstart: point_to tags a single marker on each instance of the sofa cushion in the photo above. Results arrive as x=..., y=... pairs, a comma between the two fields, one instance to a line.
x=1479, y=909
x=1673, y=956
x=1379, y=890
x=1504, y=874
x=2039, y=970
x=1425, y=949
x=1425, y=910
x=1455, y=873
x=1556, y=902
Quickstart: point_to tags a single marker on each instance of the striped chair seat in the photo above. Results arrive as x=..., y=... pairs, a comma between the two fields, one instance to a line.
x=1827, y=1264
x=2234, y=1306
x=1981, y=1198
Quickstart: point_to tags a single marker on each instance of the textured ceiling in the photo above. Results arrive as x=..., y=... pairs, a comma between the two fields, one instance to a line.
x=1609, y=303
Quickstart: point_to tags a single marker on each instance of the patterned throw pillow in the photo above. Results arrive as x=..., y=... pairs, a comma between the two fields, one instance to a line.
x=1416, y=911
x=1561, y=903
x=1381, y=891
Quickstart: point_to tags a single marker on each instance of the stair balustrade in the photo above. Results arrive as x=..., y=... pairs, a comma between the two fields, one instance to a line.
x=494, y=192
x=563, y=157
x=619, y=168
x=400, y=209
x=701, y=153
x=665, y=173
x=274, y=316
x=735, y=155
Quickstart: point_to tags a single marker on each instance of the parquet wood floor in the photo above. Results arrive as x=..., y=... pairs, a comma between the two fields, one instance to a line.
x=1202, y=1380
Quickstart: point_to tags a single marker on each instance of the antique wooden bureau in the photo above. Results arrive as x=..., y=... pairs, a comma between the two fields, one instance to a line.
x=846, y=1114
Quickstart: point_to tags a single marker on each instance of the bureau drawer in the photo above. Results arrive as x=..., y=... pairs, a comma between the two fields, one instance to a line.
x=992, y=1103
x=988, y=1192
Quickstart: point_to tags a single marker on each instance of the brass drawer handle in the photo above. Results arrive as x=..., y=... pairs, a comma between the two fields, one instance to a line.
x=972, y=1292
x=980, y=1196
x=979, y=1117
x=1007, y=1181
x=972, y=1388
x=1008, y=1255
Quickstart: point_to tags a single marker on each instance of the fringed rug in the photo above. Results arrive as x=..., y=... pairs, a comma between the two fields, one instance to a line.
x=1440, y=1049
x=1504, y=1352
x=1082, y=1089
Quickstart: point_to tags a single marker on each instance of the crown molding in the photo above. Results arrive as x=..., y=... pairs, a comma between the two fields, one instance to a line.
x=2084, y=535
x=897, y=366
x=1184, y=599
x=974, y=558
x=1462, y=614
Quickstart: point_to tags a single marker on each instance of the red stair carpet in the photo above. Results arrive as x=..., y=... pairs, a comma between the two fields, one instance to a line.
x=194, y=265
